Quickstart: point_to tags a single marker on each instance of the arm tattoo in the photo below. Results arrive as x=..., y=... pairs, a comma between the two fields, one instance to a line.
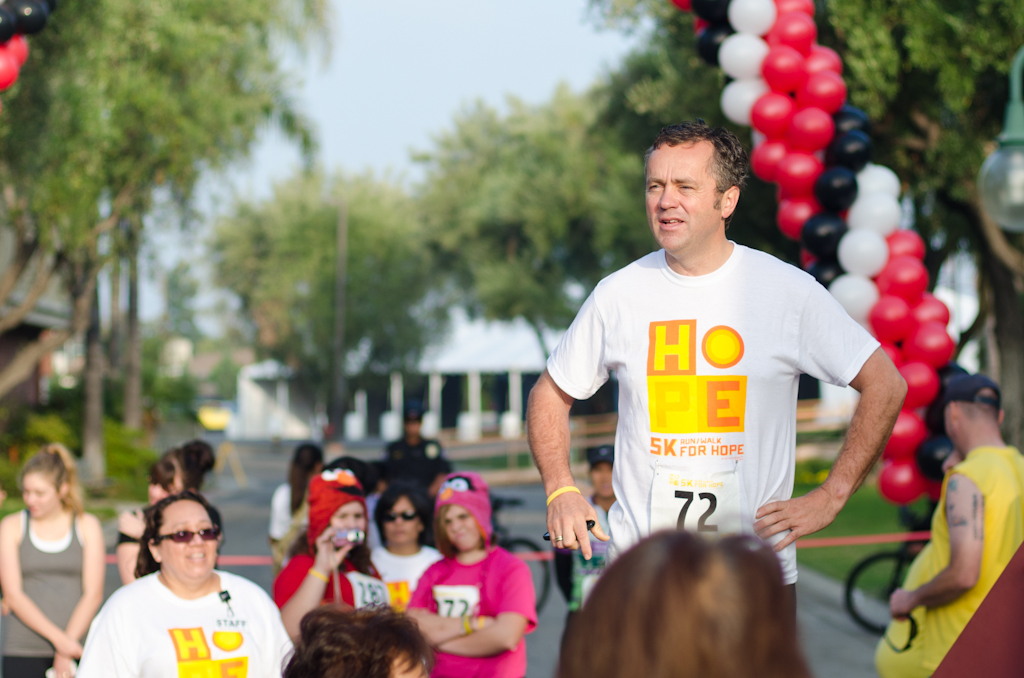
x=974, y=522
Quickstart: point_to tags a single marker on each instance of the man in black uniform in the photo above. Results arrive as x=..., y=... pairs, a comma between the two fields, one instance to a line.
x=414, y=458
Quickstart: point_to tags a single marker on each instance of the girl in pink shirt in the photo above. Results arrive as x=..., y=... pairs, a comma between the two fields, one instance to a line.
x=476, y=605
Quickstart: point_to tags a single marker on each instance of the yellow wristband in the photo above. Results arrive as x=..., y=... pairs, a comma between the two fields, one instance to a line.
x=563, y=490
x=319, y=575
x=465, y=624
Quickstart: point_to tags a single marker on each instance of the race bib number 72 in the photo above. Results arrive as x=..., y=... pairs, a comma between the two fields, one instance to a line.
x=705, y=503
x=456, y=601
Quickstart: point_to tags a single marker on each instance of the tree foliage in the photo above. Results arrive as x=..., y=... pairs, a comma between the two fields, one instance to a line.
x=117, y=98
x=279, y=257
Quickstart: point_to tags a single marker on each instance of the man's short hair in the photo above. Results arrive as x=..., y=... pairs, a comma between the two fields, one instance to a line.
x=729, y=159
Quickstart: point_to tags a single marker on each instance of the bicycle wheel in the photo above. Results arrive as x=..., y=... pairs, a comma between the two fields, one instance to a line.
x=541, y=569
x=869, y=586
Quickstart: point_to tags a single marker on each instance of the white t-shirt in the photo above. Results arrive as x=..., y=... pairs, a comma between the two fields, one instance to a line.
x=280, y=511
x=402, y=573
x=708, y=368
x=145, y=631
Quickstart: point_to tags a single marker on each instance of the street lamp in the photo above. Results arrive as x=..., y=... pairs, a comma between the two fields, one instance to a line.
x=1001, y=180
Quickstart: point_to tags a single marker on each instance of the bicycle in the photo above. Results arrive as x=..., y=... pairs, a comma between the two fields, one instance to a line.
x=872, y=581
x=540, y=566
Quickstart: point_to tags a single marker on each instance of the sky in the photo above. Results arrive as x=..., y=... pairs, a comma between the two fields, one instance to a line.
x=397, y=73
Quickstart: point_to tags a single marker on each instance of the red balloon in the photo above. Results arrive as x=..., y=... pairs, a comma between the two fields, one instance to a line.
x=922, y=384
x=901, y=482
x=821, y=59
x=909, y=432
x=929, y=343
x=793, y=213
x=797, y=173
x=812, y=129
x=699, y=25
x=806, y=259
x=18, y=48
x=784, y=6
x=764, y=161
x=824, y=89
x=8, y=70
x=890, y=319
x=684, y=5
x=895, y=355
x=772, y=114
x=904, y=277
x=782, y=69
x=930, y=310
x=903, y=242
x=795, y=29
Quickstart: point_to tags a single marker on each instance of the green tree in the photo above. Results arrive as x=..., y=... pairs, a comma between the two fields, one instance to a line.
x=120, y=97
x=182, y=289
x=279, y=257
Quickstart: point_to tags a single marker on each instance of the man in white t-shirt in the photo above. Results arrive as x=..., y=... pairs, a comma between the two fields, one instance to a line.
x=707, y=339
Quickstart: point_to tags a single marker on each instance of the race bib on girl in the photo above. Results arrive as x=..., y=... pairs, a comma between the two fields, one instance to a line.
x=368, y=591
x=695, y=499
x=455, y=601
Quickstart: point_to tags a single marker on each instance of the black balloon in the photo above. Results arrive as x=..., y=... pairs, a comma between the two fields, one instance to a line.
x=852, y=150
x=711, y=38
x=931, y=454
x=30, y=15
x=50, y=5
x=821, y=234
x=933, y=417
x=8, y=24
x=849, y=118
x=712, y=11
x=825, y=271
x=836, y=189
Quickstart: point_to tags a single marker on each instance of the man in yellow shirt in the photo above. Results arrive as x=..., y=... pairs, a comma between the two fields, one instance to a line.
x=976, y=529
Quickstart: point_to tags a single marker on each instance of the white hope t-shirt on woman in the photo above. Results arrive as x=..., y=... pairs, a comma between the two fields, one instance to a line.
x=708, y=368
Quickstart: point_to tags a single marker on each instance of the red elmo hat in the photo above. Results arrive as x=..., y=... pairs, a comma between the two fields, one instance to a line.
x=328, y=492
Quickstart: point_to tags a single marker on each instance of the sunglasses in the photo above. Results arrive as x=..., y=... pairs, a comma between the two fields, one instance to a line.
x=185, y=536
x=407, y=516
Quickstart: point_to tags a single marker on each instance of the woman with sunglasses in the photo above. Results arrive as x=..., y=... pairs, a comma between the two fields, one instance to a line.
x=177, y=469
x=476, y=606
x=181, y=617
x=402, y=516
x=332, y=563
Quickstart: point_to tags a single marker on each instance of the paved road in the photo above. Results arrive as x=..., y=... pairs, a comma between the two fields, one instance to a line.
x=834, y=645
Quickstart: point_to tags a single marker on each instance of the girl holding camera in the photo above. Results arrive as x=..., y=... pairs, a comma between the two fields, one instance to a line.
x=332, y=564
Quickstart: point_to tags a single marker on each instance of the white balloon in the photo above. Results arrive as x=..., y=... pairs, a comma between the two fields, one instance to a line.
x=741, y=56
x=863, y=252
x=878, y=179
x=878, y=212
x=757, y=138
x=754, y=17
x=856, y=294
x=739, y=97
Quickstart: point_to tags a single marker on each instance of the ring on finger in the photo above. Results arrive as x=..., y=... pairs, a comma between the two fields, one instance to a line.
x=558, y=539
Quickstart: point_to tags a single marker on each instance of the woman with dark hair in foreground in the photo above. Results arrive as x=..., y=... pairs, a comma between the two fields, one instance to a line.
x=371, y=643
x=676, y=606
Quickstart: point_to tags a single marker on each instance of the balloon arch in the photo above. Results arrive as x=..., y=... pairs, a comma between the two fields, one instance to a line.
x=844, y=210
x=19, y=18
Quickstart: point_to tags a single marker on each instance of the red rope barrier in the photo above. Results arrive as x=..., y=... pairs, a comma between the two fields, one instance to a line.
x=820, y=542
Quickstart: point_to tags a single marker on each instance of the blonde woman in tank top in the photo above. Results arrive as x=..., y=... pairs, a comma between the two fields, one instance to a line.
x=51, y=569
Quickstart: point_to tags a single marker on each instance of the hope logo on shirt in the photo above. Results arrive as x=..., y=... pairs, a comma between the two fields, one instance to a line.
x=680, y=400
x=195, y=659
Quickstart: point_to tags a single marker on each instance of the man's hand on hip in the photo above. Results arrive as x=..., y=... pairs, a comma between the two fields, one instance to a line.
x=801, y=516
x=567, y=518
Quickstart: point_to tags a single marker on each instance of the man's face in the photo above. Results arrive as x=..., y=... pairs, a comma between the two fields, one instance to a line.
x=601, y=479
x=412, y=428
x=681, y=199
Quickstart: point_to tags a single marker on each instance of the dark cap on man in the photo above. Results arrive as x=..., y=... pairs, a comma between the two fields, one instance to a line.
x=595, y=455
x=965, y=389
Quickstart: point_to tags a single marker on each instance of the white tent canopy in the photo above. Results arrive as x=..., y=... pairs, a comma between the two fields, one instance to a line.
x=487, y=347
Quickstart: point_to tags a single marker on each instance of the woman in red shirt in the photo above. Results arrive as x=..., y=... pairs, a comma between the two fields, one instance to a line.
x=333, y=564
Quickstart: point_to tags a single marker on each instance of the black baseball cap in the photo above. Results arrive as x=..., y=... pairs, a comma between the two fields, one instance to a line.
x=595, y=455
x=413, y=413
x=964, y=388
